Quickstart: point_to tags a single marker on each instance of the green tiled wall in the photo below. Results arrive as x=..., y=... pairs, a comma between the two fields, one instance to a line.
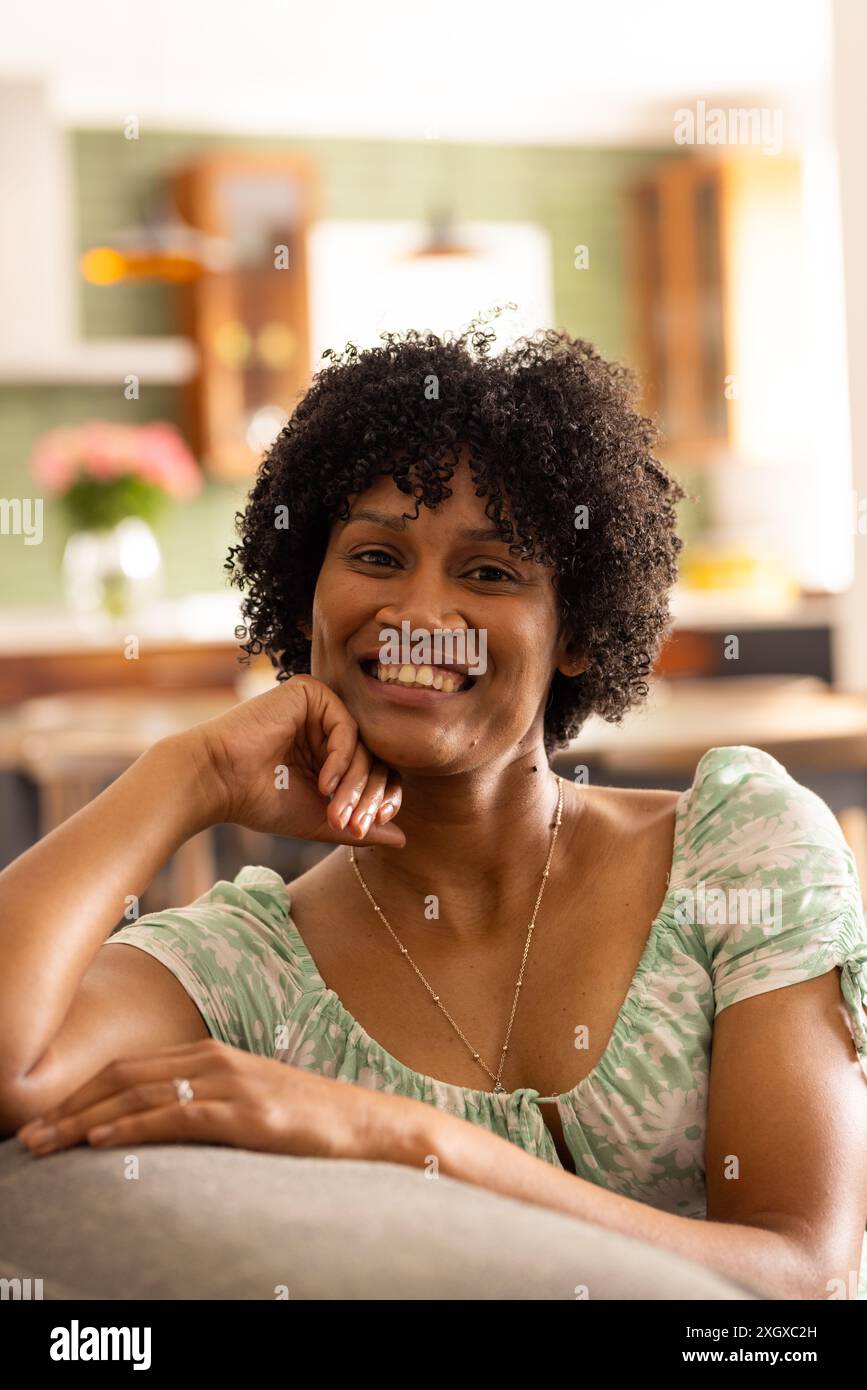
x=575, y=194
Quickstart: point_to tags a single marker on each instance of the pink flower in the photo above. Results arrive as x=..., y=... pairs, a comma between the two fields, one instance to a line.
x=52, y=462
x=165, y=459
x=104, y=451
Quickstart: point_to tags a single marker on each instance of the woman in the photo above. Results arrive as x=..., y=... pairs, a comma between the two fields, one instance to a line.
x=523, y=976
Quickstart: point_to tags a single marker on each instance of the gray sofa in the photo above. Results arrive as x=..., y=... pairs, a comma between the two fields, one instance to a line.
x=222, y=1223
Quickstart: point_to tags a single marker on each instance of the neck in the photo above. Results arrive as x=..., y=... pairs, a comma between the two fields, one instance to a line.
x=477, y=841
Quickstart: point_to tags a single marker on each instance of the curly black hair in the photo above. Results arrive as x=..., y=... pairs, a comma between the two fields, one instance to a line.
x=550, y=426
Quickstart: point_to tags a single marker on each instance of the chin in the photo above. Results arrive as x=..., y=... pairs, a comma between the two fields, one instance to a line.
x=434, y=751
x=431, y=737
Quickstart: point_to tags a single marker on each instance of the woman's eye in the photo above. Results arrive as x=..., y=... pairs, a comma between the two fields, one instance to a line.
x=374, y=557
x=363, y=554
x=495, y=569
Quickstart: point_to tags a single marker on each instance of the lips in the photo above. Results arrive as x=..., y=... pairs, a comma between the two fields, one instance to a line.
x=411, y=694
x=450, y=679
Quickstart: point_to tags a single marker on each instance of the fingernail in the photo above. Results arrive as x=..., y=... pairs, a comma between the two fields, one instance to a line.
x=364, y=823
x=332, y=786
x=386, y=810
x=95, y=1136
x=344, y=816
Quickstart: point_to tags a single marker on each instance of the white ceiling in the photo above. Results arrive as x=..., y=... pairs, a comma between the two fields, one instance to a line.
x=554, y=71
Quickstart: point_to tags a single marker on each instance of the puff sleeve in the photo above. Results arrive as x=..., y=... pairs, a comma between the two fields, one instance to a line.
x=230, y=951
x=776, y=887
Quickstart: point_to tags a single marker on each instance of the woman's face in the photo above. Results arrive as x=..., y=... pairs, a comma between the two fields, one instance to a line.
x=445, y=569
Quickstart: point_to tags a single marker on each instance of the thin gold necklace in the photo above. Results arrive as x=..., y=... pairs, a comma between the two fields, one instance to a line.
x=498, y=1089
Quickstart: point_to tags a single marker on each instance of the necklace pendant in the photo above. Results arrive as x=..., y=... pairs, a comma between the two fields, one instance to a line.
x=499, y=1090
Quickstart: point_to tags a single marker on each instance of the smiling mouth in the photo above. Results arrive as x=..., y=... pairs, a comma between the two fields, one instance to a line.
x=420, y=678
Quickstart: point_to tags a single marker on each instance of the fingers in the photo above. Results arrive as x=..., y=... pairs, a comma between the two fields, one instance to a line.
x=359, y=796
x=328, y=715
x=391, y=800
x=73, y=1129
x=360, y=807
x=358, y=785
x=131, y=1085
x=187, y=1059
x=199, y=1122
x=347, y=794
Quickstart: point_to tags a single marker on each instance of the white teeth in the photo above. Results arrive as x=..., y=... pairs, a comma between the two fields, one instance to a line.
x=418, y=675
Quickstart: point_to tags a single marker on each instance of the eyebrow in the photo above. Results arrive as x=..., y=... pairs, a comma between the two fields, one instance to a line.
x=398, y=523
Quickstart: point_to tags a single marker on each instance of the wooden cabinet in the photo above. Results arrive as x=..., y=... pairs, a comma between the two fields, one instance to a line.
x=249, y=320
x=718, y=273
x=676, y=265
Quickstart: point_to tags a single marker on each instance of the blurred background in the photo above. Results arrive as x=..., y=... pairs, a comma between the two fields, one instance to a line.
x=198, y=203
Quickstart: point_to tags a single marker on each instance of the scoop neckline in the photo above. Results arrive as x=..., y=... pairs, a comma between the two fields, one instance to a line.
x=353, y=1025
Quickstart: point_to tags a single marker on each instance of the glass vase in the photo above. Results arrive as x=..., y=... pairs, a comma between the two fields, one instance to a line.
x=114, y=572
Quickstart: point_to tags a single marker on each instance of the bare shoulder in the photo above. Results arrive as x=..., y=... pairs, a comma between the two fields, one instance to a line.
x=317, y=881
x=627, y=830
x=629, y=810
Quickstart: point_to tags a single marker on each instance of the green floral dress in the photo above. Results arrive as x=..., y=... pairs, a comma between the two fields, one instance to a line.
x=636, y=1124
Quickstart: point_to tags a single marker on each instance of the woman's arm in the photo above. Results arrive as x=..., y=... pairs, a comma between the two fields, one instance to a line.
x=765, y=1260
x=761, y=1259
x=60, y=900
x=66, y=1006
x=788, y=1100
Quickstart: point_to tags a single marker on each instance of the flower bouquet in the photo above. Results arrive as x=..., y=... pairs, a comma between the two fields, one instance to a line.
x=113, y=482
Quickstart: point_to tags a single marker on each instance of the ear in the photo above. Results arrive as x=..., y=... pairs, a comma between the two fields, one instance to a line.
x=572, y=663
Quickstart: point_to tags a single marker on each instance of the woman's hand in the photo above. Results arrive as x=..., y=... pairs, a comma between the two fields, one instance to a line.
x=273, y=762
x=239, y=1099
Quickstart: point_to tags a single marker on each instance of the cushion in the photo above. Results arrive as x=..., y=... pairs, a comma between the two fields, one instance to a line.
x=211, y=1222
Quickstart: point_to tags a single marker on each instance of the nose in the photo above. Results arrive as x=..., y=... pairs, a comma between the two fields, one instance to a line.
x=418, y=598
x=420, y=614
